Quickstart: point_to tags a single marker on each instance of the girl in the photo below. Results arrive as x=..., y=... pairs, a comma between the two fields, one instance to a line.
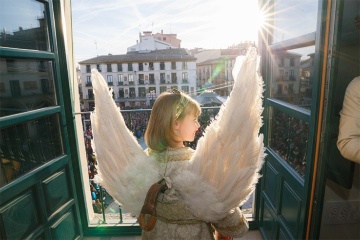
x=202, y=189
x=173, y=120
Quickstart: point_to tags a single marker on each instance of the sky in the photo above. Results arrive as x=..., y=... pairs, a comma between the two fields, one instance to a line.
x=103, y=27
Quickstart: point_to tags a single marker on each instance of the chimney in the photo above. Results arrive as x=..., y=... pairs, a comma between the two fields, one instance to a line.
x=162, y=31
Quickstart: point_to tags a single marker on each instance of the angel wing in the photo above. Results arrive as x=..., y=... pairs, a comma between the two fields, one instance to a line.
x=124, y=169
x=224, y=169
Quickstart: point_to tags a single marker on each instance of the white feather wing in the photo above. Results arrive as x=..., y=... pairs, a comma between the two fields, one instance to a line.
x=224, y=169
x=124, y=169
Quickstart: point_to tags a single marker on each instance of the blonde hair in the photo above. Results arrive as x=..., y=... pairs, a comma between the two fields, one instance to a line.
x=168, y=107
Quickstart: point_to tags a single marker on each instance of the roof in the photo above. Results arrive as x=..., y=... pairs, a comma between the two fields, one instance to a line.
x=174, y=54
x=209, y=97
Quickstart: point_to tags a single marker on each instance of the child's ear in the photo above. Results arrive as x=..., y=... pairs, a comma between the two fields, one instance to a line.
x=176, y=125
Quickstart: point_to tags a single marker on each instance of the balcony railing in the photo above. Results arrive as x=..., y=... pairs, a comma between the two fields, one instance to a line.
x=88, y=84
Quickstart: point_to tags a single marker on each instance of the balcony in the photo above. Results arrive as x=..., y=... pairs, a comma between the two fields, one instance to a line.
x=185, y=80
x=141, y=82
x=120, y=83
x=110, y=84
x=88, y=84
x=152, y=81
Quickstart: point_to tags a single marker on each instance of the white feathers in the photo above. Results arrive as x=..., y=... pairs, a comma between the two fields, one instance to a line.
x=229, y=156
x=221, y=174
x=126, y=171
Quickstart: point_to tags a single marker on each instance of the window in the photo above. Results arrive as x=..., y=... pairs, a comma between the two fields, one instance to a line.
x=88, y=81
x=185, y=89
x=142, y=93
x=292, y=75
x=90, y=94
x=184, y=77
x=141, y=79
x=109, y=79
x=173, y=78
x=98, y=67
x=131, y=79
x=130, y=67
x=162, y=66
x=119, y=66
x=152, y=78
x=173, y=65
x=184, y=65
x=141, y=67
x=120, y=79
x=292, y=62
x=162, y=77
x=151, y=66
x=88, y=69
x=163, y=89
x=108, y=68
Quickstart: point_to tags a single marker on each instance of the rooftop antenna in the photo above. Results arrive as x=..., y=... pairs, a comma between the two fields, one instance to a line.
x=96, y=48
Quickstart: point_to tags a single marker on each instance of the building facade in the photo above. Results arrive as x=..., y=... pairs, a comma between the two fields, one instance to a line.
x=137, y=78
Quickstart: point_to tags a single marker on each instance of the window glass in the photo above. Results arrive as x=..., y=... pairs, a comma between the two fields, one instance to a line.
x=26, y=146
x=288, y=137
x=25, y=85
x=28, y=29
x=287, y=15
x=292, y=76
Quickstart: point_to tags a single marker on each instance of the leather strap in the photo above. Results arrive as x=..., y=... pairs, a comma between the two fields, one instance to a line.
x=149, y=206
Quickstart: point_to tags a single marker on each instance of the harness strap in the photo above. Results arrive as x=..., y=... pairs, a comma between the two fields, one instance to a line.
x=149, y=206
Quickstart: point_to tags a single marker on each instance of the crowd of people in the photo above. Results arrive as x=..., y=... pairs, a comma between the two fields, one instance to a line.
x=96, y=195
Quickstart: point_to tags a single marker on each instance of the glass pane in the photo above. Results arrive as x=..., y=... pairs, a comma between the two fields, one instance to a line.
x=25, y=85
x=288, y=137
x=292, y=76
x=286, y=19
x=28, y=29
x=26, y=146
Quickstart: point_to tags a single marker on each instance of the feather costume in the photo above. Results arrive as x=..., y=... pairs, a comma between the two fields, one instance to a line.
x=220, y=175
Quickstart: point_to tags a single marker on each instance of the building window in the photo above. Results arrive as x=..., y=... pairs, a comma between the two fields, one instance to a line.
x=120, y=79
x=164, y=38
x=119, y=66
x=141, y=79
x=109, y=79
x=130, y=67
x=90, y=94
x=121, y=93
x=162, y=66
x=141, y=67
x=292, y=62
x=142, y=93
x=152, y=78
x=185, y=89
x=88, y=69
x=98, y=67
x=184, y=77
x=173, y=65
x=88, y=81
x=162, y=77
x=131, y=79
x=108, y=68
x=163, y=89
x=292, y=75
x=173, y=78
x=184, y=65
x=151, y=66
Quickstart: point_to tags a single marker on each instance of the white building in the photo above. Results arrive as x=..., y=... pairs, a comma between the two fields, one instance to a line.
x=158, y=41
x=138, y=77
